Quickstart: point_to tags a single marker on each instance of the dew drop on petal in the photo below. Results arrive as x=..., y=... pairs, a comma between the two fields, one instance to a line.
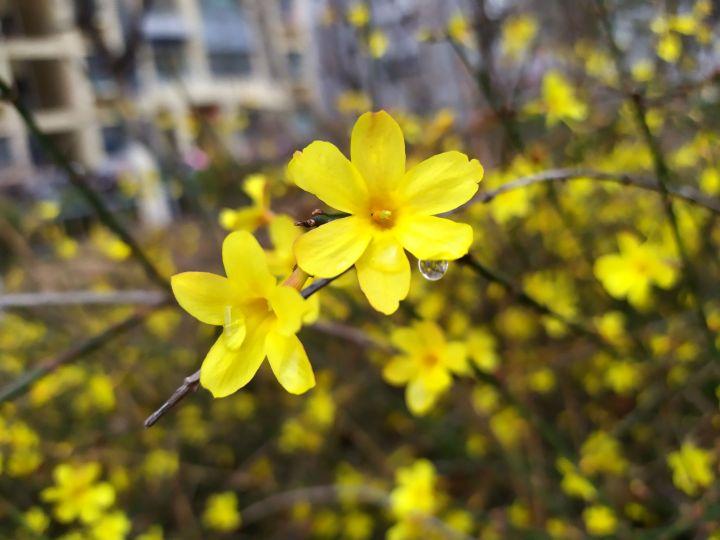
x=433, y=270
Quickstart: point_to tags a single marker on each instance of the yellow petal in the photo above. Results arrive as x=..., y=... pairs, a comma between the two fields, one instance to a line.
x=378, y=151
x=246, y=264
x=384, y=273
x=289, y=308
x=225, y=370
x=324, y=171
x=441, y=183
x=455, y=358
x=419, y=397
x=204, y=296
x=399, y=370
x=334, y=247
x=432, y=238
x=290, y=363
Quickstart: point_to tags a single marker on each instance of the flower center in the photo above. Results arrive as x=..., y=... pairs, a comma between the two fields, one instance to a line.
x=430, y=360
x=383, y=217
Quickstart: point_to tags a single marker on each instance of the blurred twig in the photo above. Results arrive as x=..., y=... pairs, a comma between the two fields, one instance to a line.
x=685, y=193
x=82, y=182
x=23, y=383
x=280, y=502
x=69, y=298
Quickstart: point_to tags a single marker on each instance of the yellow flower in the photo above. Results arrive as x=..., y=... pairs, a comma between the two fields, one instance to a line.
x=426, y=364
x=221, y=512
x=517, y=33
x=458, y=28
x=358, y=15
x=113, y=526
x=692, y=468
x=601, y=452
x=390, y=209
x=414, y=491
x=599, y=520
x=378, y=43
x=77, y=495
x=36, y=520
x=259, y=318
x=250, y=217
x=559, y=99
x=631, y=272
x=573, y=483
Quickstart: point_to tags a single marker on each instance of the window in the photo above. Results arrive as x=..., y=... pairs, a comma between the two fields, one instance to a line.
x=6, y=158
x=295, y=64
x=169, y=58
x=230, y=63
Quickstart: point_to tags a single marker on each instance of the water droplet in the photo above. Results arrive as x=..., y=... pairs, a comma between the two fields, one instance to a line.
x=433, y=270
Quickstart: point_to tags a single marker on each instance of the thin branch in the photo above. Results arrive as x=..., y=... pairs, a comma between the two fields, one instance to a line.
x=85, y=298
x=23, y=383
x=191, y=382
x=663, y=173
x=82, y=182
x=329, y=494
x=685, y=193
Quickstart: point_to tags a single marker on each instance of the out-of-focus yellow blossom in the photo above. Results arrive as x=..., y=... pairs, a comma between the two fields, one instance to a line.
x=160, y=463
x=391, y=209
x=623, y=376
x=358, y=15
x=482, y=349
x=558, y=101
x=710, y=180
x=221, y=512
x=306, y=432
x=259, y=318
x=357, y=525
x=692, y=468
x=508, y=426
x=47, y=210
x=598, y=63
x=556, y=291
x=516, y=322
x=353, y=102
x=97, y=394
x=458, y=28
x=378, y=43
x=77, y=494
x=558, y=529
x=519, y=515
x=632, y=271
x=611, y=326
x=414, y=491
x=643, y=70
x=513, y=204
x=426, y=364
x=250, y=217
x=574, y=483
x=602, y=453
x=599, y=520
x=326, y=524
x=109, y=245
x=112, y=526
x=542, y=380
x=56, y=383
x=476, y=445
x=459, y=520
x=485, y=399
x=153, y=533
x=36, y=520
x=518, y=33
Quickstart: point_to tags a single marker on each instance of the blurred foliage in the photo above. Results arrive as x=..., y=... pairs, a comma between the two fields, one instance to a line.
x=610, y=437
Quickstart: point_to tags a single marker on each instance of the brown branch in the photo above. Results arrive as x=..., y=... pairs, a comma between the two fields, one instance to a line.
x=685, y=193
x=25, y=381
